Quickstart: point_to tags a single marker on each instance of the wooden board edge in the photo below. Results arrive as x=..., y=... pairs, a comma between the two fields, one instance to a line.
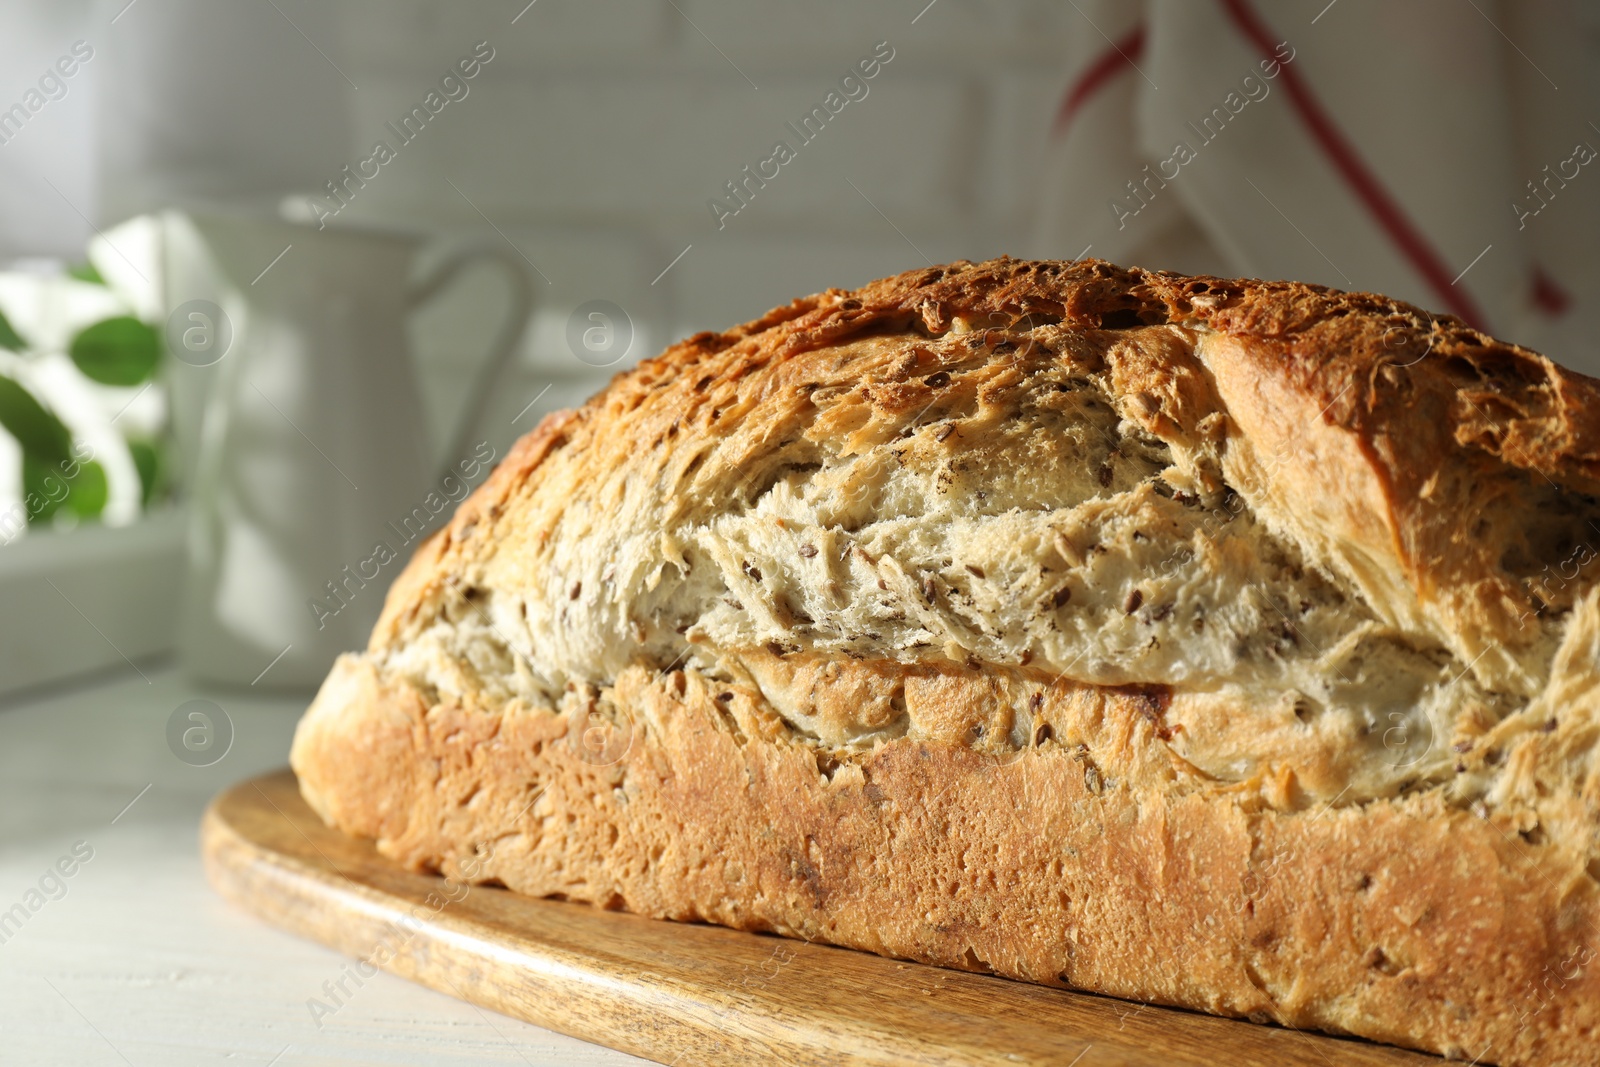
x=233, y=864
x=648, y=1015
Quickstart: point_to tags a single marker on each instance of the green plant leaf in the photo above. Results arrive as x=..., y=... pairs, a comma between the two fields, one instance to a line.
x=10, y=338
x=86, y=272
x=44, y=490
x=42, y=436
x=147, y=459
x=87, y=493
x=47, y=489
x=119, y=351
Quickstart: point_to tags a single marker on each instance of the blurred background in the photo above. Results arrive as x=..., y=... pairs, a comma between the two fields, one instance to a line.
x=217, y=220
x=280, y=280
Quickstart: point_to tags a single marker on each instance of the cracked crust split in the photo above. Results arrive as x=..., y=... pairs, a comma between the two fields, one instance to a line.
x=1175, y=638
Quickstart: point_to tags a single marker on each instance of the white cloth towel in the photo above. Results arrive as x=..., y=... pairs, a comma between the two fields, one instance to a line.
x=1440, y=151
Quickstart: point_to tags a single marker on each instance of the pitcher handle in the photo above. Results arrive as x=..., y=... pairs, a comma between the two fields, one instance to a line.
x=504, y=347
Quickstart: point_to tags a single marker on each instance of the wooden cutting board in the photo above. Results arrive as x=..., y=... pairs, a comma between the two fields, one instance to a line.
x=693, y=994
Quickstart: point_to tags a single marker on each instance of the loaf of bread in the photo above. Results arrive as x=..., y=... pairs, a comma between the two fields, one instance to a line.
x=1225, y=644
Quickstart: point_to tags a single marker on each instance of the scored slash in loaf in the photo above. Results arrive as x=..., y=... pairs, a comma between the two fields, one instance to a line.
x=1224, y=644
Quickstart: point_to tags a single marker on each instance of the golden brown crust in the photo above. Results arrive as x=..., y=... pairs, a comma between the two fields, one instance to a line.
x=962, y=774
x=1402, y=921
x=1441, y=418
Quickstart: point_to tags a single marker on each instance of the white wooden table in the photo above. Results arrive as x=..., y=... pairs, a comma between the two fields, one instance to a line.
x=132, y=959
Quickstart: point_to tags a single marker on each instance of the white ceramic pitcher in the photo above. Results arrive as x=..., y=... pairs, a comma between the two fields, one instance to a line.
x=312, y=445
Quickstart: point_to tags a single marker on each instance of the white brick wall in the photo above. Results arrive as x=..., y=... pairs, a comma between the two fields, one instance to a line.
x=639, y=151
x=600, y=129
x=408, y=36
x=982, y=31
